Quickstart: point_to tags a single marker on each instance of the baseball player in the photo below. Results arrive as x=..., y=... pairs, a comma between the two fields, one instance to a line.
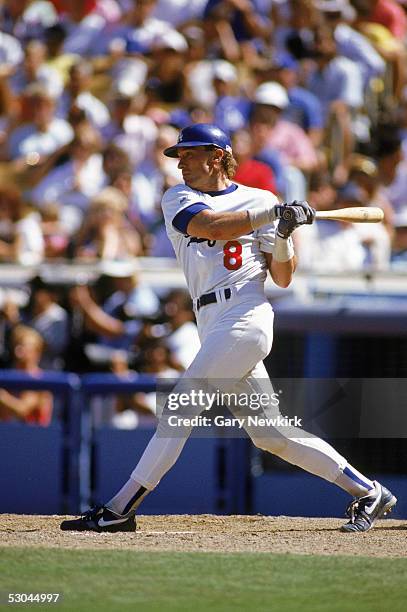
x=227, y=237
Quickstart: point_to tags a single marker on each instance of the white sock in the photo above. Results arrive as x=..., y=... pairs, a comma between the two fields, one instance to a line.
x=354, y=482
x=128, y=499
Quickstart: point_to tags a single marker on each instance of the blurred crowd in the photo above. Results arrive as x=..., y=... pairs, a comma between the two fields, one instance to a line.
x=313, y=93
x=117, y=324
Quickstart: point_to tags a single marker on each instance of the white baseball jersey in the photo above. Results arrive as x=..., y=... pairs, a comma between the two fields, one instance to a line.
x=213, y=264
x=236, y=336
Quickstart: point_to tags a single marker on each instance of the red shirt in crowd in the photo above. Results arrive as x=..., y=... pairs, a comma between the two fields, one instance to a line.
x=390, y=14
x=253, y=173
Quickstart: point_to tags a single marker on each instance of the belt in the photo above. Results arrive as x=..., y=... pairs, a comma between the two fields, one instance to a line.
x=212, y=298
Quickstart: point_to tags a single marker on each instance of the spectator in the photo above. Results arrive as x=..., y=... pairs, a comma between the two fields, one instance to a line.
x=55, y=234
x=238, y=27
x=338, y=246
x=351, y=43
x=44, y=135
x=386, y=12
x=73, y=183
x=78, y=95
x=364, y=172
x=158, y=360
x=119, y=320
x=179, y=12
x=339, y=84
x=295, y=147
x=127, y=72
x=9, y=111
x=33, y=407
x=57, y=59
x=160, y=172
x=11, y=54
x=137, y=194
x=167, y=82
x=21, y=238
x=294, y=31
x=139, y=29
x=106, y=232
x=250, y=171
x=303, y=107
x=231, y=111
x=131, y=411
x=34, y=70
x=388, y=45
x=119, y=174
x=183, y=339
x=26, y=19
x=82, y=23
x=259, y=133
x=110, y=10
x=391, y=167
x=199, y=68
x=336, y=80
x=140, y=408
x=374, y=237
x=130, y=129
x=44, y=314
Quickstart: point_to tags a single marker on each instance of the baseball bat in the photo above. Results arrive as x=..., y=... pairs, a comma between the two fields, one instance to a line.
x=358, y=214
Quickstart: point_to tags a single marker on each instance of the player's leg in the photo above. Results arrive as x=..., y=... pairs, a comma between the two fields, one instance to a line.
x=226, y=355
x=316, y=456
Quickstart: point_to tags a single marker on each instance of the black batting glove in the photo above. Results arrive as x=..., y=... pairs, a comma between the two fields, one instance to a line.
x=293, y=214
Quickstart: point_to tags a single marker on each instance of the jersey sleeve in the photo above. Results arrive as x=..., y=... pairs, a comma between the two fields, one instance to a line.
x=180, y=204
x=267, y=236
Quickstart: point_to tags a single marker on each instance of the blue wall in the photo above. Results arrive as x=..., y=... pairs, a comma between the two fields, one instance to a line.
x=31, y=474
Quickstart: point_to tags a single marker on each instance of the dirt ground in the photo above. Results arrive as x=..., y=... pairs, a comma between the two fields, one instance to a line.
x=215, y=534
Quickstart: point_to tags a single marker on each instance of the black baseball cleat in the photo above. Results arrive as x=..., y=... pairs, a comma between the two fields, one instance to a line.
x=100, y=519
x=364, y=511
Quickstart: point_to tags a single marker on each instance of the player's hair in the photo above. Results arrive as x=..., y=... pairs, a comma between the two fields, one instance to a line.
x=229, y=164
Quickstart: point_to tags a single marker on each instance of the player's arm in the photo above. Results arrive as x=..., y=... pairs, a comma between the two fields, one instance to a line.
x=213, y=225
x=282, y=262
x=201, y=221
x=281, y=271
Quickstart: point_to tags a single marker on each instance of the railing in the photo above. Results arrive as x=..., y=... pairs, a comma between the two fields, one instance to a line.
x=65, y=467
x=88, y=460
x=67, y=387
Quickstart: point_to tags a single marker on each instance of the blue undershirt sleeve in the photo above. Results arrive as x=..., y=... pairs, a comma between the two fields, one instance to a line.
x=181, y=219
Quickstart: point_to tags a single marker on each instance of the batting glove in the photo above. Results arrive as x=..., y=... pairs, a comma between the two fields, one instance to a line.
x=293, y=215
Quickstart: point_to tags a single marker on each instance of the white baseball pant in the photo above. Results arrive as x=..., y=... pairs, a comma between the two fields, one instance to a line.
x=236, y=336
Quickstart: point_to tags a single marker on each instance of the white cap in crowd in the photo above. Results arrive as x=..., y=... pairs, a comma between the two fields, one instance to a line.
x=224, y=71
x=171, y=40
x=272, y=94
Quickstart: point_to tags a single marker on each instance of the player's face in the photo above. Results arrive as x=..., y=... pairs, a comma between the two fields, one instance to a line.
x=196, y=165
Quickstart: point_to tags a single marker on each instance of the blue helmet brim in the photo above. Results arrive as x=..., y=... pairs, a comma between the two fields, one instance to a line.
x=173, y=151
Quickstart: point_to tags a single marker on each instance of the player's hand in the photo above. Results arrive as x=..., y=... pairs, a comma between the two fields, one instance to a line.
x=292, y=215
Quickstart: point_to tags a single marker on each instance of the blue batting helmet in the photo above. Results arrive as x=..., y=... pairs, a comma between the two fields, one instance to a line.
x=200, y=135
